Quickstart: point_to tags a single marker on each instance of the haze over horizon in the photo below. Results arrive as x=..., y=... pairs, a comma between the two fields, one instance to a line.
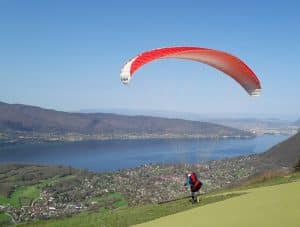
x=67, y=55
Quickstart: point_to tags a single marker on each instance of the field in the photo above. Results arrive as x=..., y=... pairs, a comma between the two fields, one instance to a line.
x=127, y=216
x=247, y=205
x=273, y=206
x=4, y=219
x=25, y=195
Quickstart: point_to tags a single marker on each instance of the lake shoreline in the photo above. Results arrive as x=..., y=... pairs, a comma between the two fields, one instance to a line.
x=70, y=190
x=102, y=156
x=4, y=143
x=29, y=191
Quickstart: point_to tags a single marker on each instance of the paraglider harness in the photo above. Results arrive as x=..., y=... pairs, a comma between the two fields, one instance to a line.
x=195, y=183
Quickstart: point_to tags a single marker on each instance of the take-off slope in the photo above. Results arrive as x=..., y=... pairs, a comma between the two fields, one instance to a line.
x=272, y=206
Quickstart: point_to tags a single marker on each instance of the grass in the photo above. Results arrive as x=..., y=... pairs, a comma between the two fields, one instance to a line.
x=127, y=216
x=117, y=200
x=120, y=203
x=24, y=195
x=111, y=196
x=54, y=180
x=4, y=219
x=265, y=179
x=271, y=206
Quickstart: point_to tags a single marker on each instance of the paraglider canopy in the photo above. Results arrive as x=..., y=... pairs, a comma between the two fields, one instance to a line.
x=225, y=62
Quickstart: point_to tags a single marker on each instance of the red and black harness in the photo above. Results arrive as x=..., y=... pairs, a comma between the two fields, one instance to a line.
x=196, y=184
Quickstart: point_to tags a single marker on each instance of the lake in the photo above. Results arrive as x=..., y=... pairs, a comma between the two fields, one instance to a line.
x=112, y=155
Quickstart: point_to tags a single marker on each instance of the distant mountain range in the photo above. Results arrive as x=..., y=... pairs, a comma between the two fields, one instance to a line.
x=248, y=123
x=31, y=120
x=297, y=123
x=256, y=123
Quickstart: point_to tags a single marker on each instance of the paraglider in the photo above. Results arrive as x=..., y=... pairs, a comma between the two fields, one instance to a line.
x=225, y=62
x=195, y=185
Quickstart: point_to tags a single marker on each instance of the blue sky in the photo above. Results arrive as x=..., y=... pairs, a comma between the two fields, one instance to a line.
x=67, y=55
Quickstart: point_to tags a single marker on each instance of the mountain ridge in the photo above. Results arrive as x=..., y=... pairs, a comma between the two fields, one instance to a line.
x=24, y=118
x=283, y=155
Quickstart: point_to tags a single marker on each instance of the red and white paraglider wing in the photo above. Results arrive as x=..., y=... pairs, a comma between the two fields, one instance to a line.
x=227, y=63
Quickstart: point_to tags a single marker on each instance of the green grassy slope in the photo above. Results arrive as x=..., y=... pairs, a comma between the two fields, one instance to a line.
x=127, y=216
x=256, y=191
x=273, y=206
x=24, y=195
x=4, y=219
